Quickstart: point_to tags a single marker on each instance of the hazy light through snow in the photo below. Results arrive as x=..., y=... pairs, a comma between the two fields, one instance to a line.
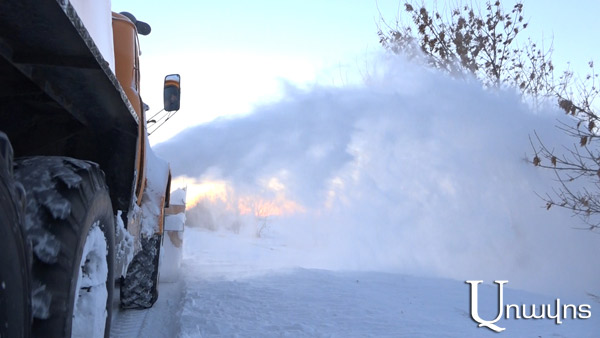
x=411, y=172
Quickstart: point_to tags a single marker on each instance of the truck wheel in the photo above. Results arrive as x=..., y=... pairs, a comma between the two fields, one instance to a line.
x=15, y=292
x=139, y=288
x=70, y=224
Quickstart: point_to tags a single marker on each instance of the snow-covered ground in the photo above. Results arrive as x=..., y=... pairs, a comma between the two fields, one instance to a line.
x=162, y=320
x=238, y=286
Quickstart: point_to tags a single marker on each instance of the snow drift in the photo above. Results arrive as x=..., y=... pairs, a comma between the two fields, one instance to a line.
x=410, y=172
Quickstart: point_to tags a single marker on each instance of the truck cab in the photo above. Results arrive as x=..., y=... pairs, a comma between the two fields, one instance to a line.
x=81, y=183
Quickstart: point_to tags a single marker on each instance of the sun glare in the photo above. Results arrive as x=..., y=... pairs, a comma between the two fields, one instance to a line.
x=221, y=192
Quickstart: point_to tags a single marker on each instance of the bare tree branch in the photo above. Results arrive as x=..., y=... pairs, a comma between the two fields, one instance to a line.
x=484, y=43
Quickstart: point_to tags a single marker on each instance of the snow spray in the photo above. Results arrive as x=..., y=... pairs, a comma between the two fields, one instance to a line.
x=411, y=171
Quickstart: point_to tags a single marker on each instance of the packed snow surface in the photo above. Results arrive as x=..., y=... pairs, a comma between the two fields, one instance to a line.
x=240, y=286
x=237, y=286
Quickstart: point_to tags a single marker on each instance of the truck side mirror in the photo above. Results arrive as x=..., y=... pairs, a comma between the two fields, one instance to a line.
x=172, y=92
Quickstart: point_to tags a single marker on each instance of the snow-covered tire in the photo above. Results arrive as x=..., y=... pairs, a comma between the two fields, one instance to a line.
x=139, y=288
x=15, y=301
x=67, y=202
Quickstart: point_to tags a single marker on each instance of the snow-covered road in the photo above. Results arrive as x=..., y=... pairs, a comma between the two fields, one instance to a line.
x=367, y=193
x=162, y=320
x=237, y=286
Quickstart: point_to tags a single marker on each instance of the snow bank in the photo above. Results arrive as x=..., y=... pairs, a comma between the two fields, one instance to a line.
x=411, y=172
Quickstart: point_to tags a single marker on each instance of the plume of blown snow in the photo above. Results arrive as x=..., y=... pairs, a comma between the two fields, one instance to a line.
x=411, y=171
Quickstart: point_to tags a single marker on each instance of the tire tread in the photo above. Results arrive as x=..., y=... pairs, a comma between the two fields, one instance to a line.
x=61, y=194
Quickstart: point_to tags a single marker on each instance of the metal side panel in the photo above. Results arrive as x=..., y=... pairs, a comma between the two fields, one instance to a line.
x=47, y=41
x=58, y=95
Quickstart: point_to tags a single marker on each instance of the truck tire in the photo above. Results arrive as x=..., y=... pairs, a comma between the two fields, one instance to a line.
x=70, y=224
x=139, y=288
x=15, y=291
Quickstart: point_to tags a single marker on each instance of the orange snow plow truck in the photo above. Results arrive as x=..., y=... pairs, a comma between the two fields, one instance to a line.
x=82, y=196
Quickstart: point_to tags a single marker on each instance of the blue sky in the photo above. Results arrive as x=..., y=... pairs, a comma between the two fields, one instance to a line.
x=234, y=55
